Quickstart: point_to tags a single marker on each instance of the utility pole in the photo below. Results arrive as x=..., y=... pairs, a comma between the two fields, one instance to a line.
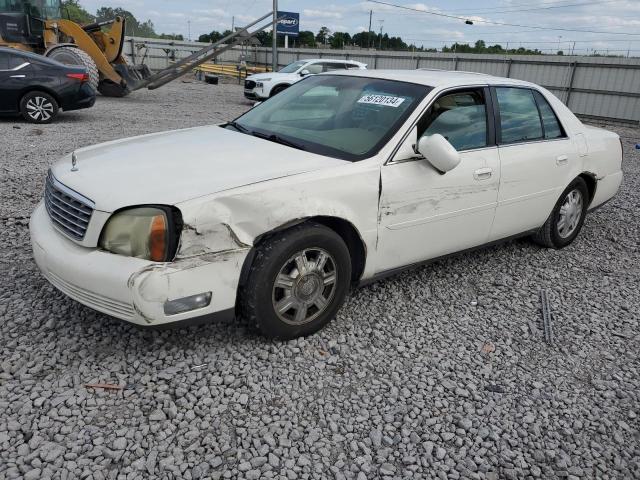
x=274, y=44
x=380, y=43
x=369, y=31
x=233, y=23
x=189, y=28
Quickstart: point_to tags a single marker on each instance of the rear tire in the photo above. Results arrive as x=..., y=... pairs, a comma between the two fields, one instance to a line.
x=566, y=220
x=75, y=56
x=39, y=107
x=298, y=281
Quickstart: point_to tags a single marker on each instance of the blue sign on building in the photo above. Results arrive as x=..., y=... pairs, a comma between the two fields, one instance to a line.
x=288, y=23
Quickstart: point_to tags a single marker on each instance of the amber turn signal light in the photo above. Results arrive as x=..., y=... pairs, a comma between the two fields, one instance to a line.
x=158, y=239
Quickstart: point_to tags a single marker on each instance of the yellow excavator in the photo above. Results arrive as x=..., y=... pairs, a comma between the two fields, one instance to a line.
x=38, y=26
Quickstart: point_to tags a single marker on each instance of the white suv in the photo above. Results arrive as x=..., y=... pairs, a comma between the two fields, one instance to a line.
x=265, y=85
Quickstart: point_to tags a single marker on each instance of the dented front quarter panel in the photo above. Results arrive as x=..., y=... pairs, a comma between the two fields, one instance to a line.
x=234, y=219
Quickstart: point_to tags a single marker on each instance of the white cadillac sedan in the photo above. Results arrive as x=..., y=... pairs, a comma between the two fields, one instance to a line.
x=341, y=179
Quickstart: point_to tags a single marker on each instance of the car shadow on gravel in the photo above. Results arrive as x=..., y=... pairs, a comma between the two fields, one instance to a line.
x=64, y=117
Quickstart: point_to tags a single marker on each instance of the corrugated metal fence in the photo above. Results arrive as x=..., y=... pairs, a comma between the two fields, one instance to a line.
x=595, y=87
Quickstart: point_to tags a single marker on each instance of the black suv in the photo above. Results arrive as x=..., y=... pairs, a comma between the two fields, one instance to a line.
x=38, y=87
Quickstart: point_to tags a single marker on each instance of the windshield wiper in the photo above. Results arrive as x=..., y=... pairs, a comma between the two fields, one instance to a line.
x=239, y=127
x=278, y=139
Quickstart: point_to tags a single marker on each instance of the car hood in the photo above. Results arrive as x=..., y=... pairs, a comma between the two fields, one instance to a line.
x=172, y=167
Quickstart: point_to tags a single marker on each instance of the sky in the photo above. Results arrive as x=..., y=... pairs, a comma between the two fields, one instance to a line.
x=614, y=18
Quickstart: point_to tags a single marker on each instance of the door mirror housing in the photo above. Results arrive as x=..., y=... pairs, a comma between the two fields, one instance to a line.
x=439, y=152
x=305, y=72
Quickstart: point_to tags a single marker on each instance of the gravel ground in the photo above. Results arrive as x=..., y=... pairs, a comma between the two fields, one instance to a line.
x=440, y=372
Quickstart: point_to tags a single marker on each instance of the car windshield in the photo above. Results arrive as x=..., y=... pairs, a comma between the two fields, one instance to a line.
x=292, y=67
x=344, y=117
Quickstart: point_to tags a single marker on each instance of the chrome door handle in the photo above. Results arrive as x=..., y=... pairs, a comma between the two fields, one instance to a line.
x=18, y=76
x=483, y=173
x=562, y=160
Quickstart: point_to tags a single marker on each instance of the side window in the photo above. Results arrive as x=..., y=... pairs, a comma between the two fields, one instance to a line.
x=459, y=117
x=16, y=61
x=519, y=116
x=314, y=68
x=552, y=127
x=4, y=61
x=329, y=67
x=352, y=66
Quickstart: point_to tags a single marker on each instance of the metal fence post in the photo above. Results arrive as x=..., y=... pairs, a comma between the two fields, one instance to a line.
x=574, y=66
x=455, y=63
x=132, y=41
x=509, y=63
x=418, y=63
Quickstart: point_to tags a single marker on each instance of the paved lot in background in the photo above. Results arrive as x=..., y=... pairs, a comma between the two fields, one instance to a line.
x=412, y=380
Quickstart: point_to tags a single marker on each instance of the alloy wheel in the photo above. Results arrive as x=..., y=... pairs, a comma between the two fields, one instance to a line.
x=570, y=214
x=304, y=286
x=39, y=108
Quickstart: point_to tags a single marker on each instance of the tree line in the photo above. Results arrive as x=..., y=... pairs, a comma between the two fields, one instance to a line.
x=72, y=10
x=324, y=38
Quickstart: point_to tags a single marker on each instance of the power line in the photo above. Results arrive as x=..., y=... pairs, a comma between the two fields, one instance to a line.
x=466, y=19
x=514, y=41
x=546, y=7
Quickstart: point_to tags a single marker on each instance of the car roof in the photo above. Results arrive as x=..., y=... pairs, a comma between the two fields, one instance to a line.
x=332, y=60
x=435, y=78
x=25, y=54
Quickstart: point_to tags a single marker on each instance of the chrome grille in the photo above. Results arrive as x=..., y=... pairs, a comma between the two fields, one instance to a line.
x=69, y=211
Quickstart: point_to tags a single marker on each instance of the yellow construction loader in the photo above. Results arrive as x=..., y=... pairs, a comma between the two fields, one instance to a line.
x=38, y=26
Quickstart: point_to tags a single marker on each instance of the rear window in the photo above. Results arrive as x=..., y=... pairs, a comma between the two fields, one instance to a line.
x=552, y=127
x=16, y=61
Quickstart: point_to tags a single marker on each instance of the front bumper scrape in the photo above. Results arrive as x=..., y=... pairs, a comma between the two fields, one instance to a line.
x=129, y=288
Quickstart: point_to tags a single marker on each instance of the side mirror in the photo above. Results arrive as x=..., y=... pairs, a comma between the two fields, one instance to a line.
x=305, y=72
x=439, y=152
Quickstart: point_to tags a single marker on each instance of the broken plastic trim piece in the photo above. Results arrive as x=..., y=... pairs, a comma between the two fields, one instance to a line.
x=187, y=304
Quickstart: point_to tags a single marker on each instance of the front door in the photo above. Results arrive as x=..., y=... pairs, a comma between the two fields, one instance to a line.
x=425, y=214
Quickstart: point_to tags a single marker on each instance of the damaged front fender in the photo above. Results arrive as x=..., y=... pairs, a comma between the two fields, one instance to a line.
x=209, y=259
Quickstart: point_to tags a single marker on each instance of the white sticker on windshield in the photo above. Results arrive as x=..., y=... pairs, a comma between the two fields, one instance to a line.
x=386, y=100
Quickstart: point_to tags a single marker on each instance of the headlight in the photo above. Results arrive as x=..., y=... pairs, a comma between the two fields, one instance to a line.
x=144, y=232
x=259, y=84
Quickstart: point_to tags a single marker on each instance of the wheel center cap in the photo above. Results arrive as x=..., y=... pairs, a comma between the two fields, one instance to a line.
x=308, y=287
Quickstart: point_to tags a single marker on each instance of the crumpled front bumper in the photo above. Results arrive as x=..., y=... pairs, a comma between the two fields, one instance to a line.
x=129, y=288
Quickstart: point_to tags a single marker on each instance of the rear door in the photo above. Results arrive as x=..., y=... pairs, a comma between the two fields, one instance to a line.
x=535, y=160
x=14, y=70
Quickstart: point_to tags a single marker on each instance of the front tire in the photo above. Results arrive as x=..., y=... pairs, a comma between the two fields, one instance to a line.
x=298, y=281
x=277, y=89
x=39, y=107
x=566, y=220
